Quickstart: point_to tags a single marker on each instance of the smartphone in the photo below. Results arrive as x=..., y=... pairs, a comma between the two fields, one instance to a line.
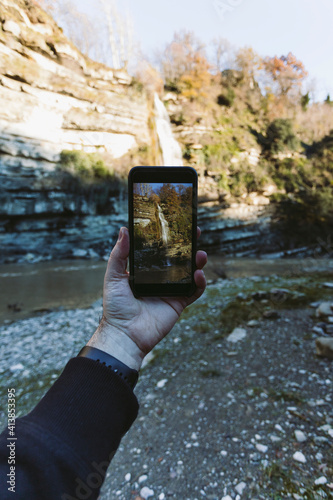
x=162, y=208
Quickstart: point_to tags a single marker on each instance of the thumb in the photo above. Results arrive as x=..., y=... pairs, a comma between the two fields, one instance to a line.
x=117, y=263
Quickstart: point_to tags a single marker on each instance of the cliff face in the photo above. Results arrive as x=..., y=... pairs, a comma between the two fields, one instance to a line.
x=52, y=98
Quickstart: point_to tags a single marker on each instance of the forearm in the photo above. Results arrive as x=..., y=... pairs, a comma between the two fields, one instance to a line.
x=74, y=430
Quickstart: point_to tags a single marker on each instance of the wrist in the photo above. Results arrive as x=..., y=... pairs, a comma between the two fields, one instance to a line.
x=115, y=342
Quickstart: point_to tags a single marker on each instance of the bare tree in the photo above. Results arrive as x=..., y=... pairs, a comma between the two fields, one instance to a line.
x=120, y=32
x=222, y=53
x=106, y=37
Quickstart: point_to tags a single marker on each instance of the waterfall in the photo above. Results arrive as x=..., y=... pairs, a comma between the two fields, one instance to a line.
x=165, y=226
x=171, y=150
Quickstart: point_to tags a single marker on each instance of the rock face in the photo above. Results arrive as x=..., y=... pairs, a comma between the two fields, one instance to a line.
x=53, y=98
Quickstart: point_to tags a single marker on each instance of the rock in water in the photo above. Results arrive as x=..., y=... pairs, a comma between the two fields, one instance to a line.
x=324, y=347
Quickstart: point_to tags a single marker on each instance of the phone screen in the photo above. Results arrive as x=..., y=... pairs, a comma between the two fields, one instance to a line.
x=162, y=235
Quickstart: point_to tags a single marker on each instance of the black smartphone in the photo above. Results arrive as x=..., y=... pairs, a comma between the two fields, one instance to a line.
x=162, y=208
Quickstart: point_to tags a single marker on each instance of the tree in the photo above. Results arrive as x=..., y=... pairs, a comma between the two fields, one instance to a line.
x=222, y=53
x=106, y=36
x=286, y=72
x=142, y=189
x=249, y=63
x=280, y=136
x=168, y=195
x=184, y=65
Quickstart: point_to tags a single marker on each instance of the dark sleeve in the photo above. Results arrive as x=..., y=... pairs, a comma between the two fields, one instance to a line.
x=65, y=444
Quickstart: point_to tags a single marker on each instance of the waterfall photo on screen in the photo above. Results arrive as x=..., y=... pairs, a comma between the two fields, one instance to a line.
x=162, y=232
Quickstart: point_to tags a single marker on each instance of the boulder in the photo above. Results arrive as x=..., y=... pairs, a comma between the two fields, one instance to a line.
x=324, y=347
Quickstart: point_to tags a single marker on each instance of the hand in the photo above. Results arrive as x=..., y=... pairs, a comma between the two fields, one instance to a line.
x=130, y=328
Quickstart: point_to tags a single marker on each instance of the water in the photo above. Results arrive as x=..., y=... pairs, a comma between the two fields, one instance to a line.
x=171, y=150
x=165, y=231
x=33, y=288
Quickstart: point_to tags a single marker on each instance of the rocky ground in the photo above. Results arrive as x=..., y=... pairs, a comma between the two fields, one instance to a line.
x=234, y=403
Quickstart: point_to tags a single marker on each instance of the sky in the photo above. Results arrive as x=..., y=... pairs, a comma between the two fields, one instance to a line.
x=270, y=27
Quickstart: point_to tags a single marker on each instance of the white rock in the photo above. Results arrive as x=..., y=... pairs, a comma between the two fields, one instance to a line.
x=321, y=480
x=324, y=347
x=274, y=438
x=161, y=496
x=299, y=457
x=325, y=309
x=16, y=367
x=227, y=497
x=128, y=477
x=261, y=447
x=240, y=487
x=194, y=436
x=252, y=323
x=224, y=453
x=278, y=427
x=146, y=492
x=237, y=335
x=300, y=436
x=11, y=27
x=79, y=252
x=330, y=319
x=143, y=478
x=319, y=456
x=161, y=383
x=328, y=285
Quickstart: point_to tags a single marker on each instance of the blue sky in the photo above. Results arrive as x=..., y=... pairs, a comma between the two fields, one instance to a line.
x=303, y=27
x=156, y=186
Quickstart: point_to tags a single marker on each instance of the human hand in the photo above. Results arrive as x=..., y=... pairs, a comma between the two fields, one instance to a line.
x=130, y=327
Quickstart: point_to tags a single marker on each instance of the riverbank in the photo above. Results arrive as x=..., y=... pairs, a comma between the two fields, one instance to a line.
x=33, y=289
x=214, y=414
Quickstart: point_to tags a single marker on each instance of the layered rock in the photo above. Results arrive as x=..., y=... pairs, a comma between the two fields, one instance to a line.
x=52, y=98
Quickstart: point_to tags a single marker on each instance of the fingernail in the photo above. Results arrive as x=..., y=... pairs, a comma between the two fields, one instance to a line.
x=121, y=233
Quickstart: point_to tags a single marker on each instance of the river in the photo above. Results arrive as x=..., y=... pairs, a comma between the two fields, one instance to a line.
x=30, y=289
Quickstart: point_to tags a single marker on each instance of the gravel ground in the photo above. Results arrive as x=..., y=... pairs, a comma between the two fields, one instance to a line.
x=250, y=419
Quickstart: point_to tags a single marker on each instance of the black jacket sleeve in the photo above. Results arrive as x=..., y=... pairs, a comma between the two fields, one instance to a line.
x=65, y=444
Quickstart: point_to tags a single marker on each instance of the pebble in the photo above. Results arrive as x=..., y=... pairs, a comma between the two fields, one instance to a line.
x=252, y=323
x=143, y=478
x=329, y=329
x=261, y=447
x=278, y=427
x=224, y=453
x=161, y=496
x=317, y=329
x=236, y=335
x=14, y=368
x=227, y=497
x=128, y=477
x=300, y=436
x=319, y=456
x=321, y=480
x=299, y=457
x=275, y=439
x=161, y=383
x=240, y=487
x=146, y=492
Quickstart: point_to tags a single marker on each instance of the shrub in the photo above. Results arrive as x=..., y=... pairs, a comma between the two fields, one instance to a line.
x=280, y=137
x=227, y=98
x=85, y=165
